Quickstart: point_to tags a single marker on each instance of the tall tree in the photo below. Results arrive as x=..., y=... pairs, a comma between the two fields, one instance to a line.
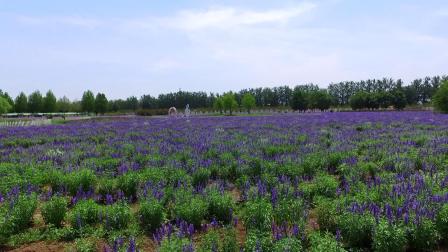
x=88, y=102
x=248, y=102
x=4, y=105
x=440, y=99
x=101, y=103
x=21, y=103
x=229, y=102
x=49, y=103
x=35, y=103
x=63, y=105
x=218, y=104
x=299, y=100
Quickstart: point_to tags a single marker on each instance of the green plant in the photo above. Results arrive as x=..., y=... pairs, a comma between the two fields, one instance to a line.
x=324, y=242
x=128, y=183
x=258, y=241
x=193, y=211
x=54, y=211
x=210, y=242
x=17, y=215
x=85, y=245
x=174, y=244
x=326, y=214
x=258, y=214
x=117, y=216
x=440, y=98
x=83, y=180
x=325, y=185
x=229, y=242
x=424, y=237
x=289, y=211
x=442, y=222
x=389, y=238
x=288, y=245
x=85, y=212
x=151, y=215
x=200, y=177
x=220, y=206
x=356, y=229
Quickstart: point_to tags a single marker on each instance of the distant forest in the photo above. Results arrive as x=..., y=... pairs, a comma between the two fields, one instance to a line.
x=370, y=94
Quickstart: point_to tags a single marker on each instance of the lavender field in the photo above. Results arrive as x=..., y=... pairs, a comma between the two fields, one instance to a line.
x=358, y=181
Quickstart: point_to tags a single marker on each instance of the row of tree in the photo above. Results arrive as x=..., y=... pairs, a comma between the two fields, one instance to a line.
x=369, y=94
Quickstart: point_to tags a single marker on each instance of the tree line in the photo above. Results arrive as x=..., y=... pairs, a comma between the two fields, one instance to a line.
x=366, y=94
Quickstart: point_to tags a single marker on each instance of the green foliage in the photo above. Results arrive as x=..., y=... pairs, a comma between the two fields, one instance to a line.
x=116, y=216
x=289, y=211
x=193, y=211
x=220, y=206
x=219, y=104
x=49, y=102
x=88, y=102
x=248, y=102
x=356, y=229
x=35, y=102
x=229, y=102
x=151, y=215
x=258, y=214
x=21, y=103
x=424, y=237
x=210, y=242
x=101, y=103
x=258, y=241
x=54, y=211
x=288, y=245
x=299, y=100
x=17, y=215
x=442, y=222
x=200, y=177
x=320, y=100
x=128, y=183
x=85, y=212
x=174, y=244
x=229, y=242
x=324, y=242
x=389, y=238
x=83, y=180
x=325, y=185
x=4, y=106
x=85, y=245
x=326, y=214
x=440, y=98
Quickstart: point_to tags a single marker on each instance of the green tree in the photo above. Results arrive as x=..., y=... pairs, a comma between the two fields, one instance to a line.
x=4, y=105
x=101, y=103
x=88, y=102
x=299, y=100
x=320, y=100
x=49, y=103
x=440, y=98
x=218, y=104
x=21, y=103
x=35, y=102
x=63, y=104
x=398, y=99
x=248, y=102
x=229, y=102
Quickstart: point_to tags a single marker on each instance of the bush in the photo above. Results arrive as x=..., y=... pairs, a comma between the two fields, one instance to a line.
x=175, y=244
x=229, y=243
x=17, y=215
x=151, y=112
x=83, y=180
x=324, y=242
x=312, y=164
x=289, y=211
x=425, y=236
x=54, y=211
x=85, y=212
x=442, y=222
x=357, y=229
x=326, y=214
x=128, y=183
x=210, y=242
x=258, y=241
x=151, y=215
x=106, y=186
x=200, y=177
x=440, y=98
x=288, y=245
x=193, y=211
x=258, y=215
x=220, y=206
x=117, y=216
x=389, y=238
x=325, y=185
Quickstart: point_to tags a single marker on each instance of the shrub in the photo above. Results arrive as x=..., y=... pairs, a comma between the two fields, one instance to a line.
x=117, y=216
x=326, y=214
x=85, y=212
x=324, y=242
x=258, y=241
x=389, y=238
x=210, y=242
x=106, y=186
x=312, y=164
x=325, y=185
x=440, y=98
x=83, y=180
x=220, y=206
x=229, y=242
x=128, y=183
x=193, y=211
x=425, y=236
x=54, y=211
x=356, y=229
x=175, y=244
x=54, y=178
x=200, y=177
x=442, y=222
x=17, y=215
x=258, y=214
x=151, y=215
x=289, y=211
x=288, y=245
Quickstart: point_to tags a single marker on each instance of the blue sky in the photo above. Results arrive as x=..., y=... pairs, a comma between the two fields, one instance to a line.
x=137, y=47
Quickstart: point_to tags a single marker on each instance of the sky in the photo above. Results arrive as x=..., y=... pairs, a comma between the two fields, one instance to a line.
x=134, y=47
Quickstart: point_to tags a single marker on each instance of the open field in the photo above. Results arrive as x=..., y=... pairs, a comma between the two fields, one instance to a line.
x=367, y=181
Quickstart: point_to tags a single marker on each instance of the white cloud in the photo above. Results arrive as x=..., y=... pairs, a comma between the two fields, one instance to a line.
x=229, y=17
